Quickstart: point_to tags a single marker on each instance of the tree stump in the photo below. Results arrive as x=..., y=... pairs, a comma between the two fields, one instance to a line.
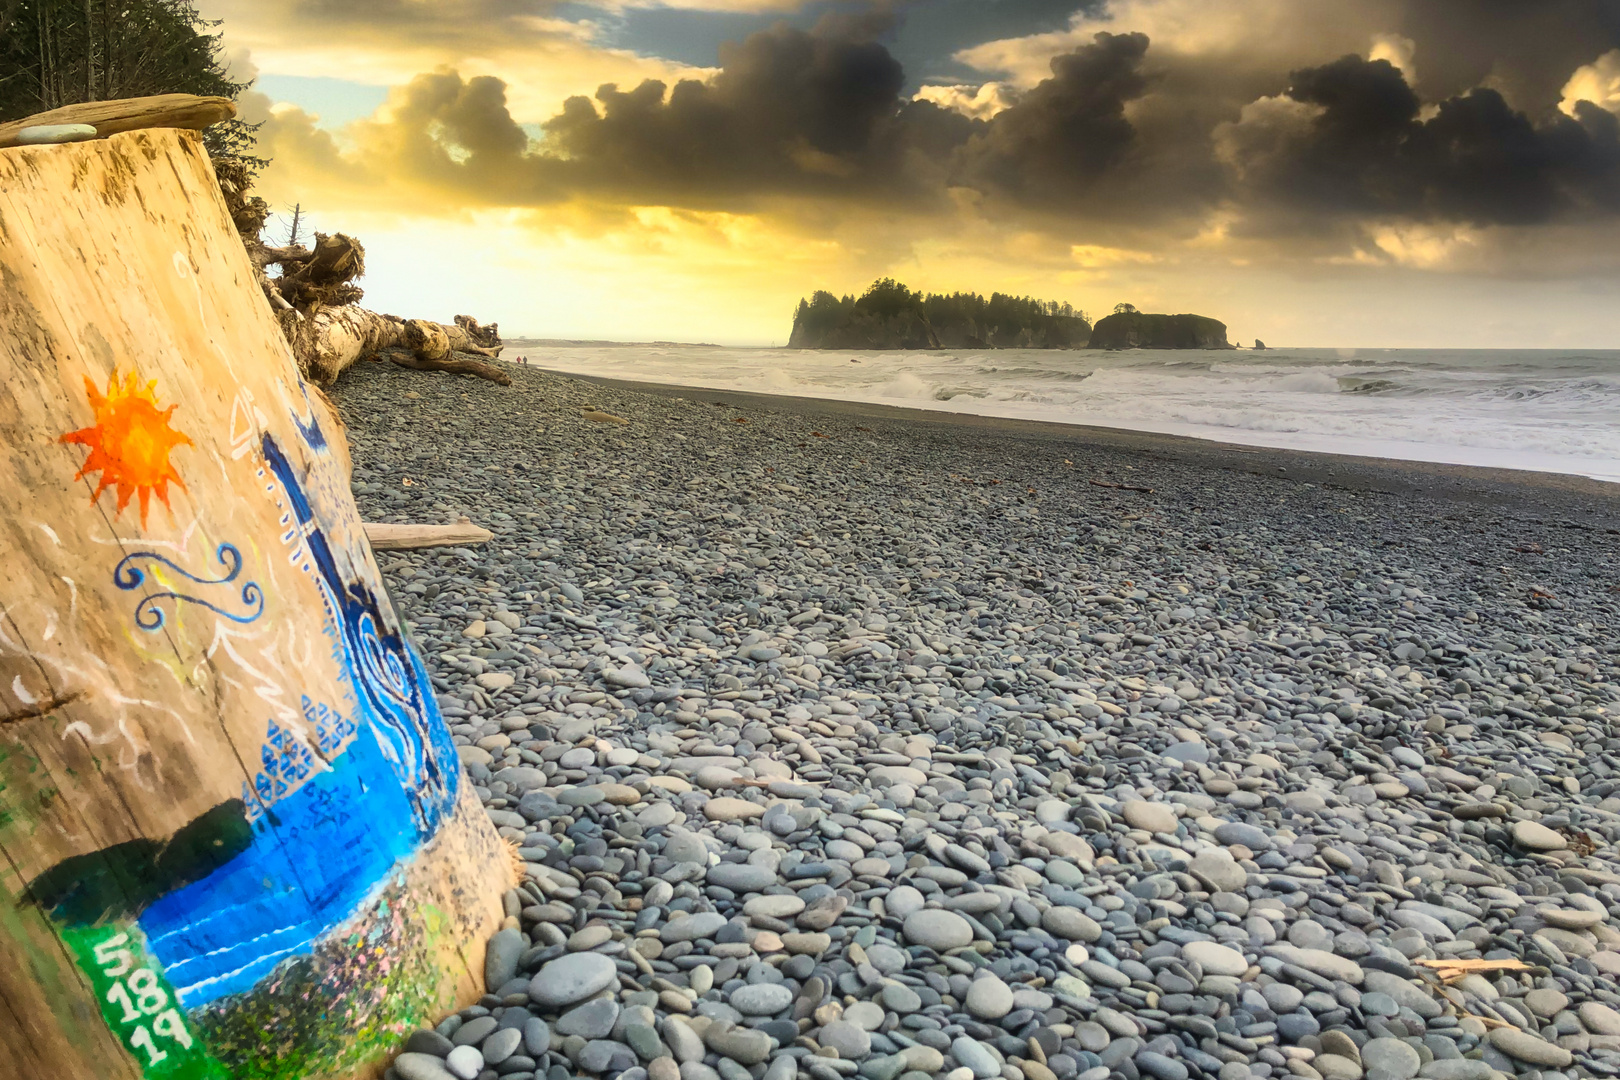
x=235, y=838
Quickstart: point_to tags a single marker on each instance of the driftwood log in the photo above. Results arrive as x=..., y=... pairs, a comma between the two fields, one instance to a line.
x=386, y=537
x=314, y=294
x=129, y=114
x=315, y=301
x=235, y=837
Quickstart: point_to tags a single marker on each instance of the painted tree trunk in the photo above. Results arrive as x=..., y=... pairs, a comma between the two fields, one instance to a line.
x=234, y=836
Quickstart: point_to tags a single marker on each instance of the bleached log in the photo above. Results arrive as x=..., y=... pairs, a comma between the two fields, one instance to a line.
x=331, y=339
x=129, y=114
x=454, y=364
x=235, y=836
x=389, y=537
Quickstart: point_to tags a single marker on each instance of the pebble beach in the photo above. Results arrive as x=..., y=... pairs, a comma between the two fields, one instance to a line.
x=840, y=741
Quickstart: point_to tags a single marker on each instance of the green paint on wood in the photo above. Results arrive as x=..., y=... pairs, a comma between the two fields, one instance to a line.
x=353, y=999
x=139, y=1005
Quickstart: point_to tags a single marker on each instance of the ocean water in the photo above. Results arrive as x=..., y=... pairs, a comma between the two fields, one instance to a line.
x=1548, y=411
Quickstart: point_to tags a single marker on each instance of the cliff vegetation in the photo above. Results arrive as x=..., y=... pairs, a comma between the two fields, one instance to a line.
x=1132, y=329
x=890, y=316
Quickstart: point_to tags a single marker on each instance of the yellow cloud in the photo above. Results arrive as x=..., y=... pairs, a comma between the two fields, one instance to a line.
x=1092, y=257
x=1427, y=247
x=1245, y=34
x=542, y=59
x=979, y=102
x=1399, y=51
x=1597, y=82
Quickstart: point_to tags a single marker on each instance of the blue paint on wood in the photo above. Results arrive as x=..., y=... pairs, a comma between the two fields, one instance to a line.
x=319, y=851
x=149, y=615
x=391, y=687
x=315, y=857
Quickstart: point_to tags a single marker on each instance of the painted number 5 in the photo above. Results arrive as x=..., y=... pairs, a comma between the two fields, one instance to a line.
x=114, y=960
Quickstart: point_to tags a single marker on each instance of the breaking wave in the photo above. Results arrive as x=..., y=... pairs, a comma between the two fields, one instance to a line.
x=1542, y=410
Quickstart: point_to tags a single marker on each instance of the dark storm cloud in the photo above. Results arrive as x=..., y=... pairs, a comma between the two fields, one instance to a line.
x=1120, y=135
x=931, y=32
x=789, y=109
x=792, y=112
x=1061, y=136
x=1527, y=47
x=925, y=37
x=1371, y=150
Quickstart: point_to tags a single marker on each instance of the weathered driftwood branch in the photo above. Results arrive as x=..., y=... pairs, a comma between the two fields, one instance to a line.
x=385, y=537
x=486, y=339
x=314, y=294
x=129, y=114
x=454, y=363
x=324, y=275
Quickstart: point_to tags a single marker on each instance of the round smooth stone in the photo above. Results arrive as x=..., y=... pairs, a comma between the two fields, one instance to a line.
x=47, y=134
x=1215, y=959
x=572, y=979
x=988, y=998
x=465, y=1062
x=938, y=930
x=761, y=999
x=1392, y=1057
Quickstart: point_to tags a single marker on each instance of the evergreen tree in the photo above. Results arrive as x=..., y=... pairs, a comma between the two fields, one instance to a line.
x=1000, y=318
x=62, y=52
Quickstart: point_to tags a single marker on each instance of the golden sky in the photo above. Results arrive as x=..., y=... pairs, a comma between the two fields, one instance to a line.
x=1384, y=173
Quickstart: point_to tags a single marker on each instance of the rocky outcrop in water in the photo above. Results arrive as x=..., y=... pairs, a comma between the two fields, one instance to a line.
x=891, y=316
x=1139, y=330
x=1044, y=332
x=866, y=330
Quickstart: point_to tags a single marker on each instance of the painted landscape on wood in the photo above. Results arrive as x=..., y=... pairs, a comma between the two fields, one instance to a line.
x=224, y=780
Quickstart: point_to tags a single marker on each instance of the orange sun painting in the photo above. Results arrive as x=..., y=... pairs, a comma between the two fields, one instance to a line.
x=130, y=442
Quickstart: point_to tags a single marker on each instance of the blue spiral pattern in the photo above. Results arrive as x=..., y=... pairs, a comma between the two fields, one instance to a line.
x=149, y=614
x=391, y=688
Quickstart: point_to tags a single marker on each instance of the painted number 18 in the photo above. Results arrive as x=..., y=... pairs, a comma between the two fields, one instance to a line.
x=140, y=995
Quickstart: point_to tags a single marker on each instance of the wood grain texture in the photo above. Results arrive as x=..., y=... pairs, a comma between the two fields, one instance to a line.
x=129, y=114
x=182, y=573
x=387, y=537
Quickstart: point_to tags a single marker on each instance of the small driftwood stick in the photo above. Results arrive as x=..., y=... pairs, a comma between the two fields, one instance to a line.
x=1450, y=971
x=130, y=114
x=386, y=537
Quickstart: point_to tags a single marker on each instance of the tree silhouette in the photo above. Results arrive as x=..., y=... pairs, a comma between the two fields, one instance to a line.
x=62, y=52
x=1002, y=317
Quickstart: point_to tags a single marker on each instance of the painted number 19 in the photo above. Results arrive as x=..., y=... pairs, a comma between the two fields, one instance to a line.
x=140, y=995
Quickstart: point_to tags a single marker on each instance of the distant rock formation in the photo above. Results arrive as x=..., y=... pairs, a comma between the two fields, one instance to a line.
x=890, y=316
x=1044, y=332
x=866, y=330
x=1139, y=330
x=1259, y=345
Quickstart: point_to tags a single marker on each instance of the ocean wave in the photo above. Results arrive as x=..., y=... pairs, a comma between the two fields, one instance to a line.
x=1515, y=409
x=1351, y=384
x=1033, y=373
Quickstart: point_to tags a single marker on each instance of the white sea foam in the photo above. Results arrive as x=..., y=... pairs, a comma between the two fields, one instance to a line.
x=1541, y=410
